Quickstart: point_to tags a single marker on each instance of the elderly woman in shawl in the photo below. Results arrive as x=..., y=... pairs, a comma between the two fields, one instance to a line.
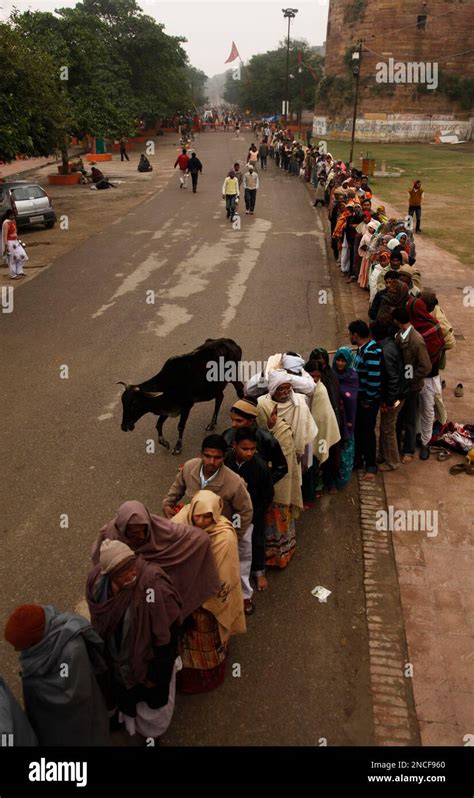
x=136, y=610
x=328, y=432
x=183, y=551
x=280, y=533
x=348, y=382
x=204, y=645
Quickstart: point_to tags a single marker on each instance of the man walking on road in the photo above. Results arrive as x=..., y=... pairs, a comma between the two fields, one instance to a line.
x=123, y=148
x=182, y=161
x=251, y=184
x=263, y=153
x=194, y=167
x=230, y=192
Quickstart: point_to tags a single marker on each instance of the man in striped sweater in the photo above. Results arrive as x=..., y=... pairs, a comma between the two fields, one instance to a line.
x=368, y=366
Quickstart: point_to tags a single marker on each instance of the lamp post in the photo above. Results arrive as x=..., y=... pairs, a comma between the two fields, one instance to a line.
x=288, y=13
x=356, y=72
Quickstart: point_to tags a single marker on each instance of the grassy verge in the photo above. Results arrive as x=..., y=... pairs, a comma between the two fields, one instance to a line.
x=447, y=175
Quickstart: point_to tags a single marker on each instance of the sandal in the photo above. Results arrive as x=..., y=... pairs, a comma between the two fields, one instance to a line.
x=459, y=390
x=407, y=458
x=262, y=583
x=249, y=607
x=444, y=455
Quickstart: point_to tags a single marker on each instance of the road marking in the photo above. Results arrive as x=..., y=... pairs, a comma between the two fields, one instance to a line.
x=254, y=241
x=108, y=409
x=132, y=281
x=172, y=316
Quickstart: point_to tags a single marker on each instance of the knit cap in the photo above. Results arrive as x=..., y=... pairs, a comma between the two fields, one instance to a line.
x=114, y=553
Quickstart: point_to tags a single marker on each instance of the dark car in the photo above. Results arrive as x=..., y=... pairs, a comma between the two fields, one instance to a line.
x=28, y=201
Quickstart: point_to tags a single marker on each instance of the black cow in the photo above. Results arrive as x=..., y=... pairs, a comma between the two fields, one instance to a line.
x=182, y=381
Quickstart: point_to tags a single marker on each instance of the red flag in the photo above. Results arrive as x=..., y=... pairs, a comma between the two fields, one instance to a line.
x=234, y=53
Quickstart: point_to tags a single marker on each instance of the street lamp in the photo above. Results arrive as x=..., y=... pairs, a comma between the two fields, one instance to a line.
x=288, y=13
x=356, y=72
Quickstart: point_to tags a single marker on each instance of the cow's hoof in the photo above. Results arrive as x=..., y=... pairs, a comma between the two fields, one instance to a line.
x=176, y=450
x=210, y=427
x=164, y=443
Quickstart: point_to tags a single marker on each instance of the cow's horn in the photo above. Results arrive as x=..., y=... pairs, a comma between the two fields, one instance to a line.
x=123, y=383
x=151, y=394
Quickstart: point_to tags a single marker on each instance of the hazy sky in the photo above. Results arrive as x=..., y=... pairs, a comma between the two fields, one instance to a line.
x=210, y=27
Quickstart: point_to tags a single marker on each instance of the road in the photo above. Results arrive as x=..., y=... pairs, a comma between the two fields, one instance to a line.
x=304, y=665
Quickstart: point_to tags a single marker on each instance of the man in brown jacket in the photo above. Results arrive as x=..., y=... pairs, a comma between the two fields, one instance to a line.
x=417, y=366
x=208, y=472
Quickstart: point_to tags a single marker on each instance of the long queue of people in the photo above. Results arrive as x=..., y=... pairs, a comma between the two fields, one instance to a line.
x=166, y=594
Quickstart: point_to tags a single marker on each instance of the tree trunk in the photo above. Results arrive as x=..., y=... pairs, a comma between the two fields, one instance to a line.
x=65, y=156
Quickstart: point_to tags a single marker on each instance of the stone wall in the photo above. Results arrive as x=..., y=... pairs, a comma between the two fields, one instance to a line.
x=388, y=29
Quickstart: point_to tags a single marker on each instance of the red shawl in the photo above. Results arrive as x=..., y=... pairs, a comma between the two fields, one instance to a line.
x=427, y=326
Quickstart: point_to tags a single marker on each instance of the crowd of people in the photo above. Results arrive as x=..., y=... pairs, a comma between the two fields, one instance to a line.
x=166, y=594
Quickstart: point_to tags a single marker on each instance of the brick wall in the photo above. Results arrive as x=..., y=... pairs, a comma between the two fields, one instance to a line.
x=386, y=27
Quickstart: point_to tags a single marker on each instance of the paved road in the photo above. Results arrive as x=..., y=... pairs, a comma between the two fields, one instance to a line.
x=304, y=665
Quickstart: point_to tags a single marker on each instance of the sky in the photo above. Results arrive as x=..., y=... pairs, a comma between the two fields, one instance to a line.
x=210, y=27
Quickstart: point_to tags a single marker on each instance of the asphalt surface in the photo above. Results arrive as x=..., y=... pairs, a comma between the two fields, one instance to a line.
x=304, y=665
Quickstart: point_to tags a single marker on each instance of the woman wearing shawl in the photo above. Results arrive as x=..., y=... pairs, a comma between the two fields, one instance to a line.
x=328, y=432
x=348, y=382
x=183, y=551
x=381, y=262
x=381, y=215
x=204, y=645
x=364, y=253
x=287, y=504
x=330, y=468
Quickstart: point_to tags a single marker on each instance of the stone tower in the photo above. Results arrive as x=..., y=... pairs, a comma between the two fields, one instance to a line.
x=407, y=46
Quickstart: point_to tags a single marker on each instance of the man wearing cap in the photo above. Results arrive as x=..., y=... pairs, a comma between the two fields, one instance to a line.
x=136, y=611
x=243, y=414
x=250, y=189
x=61, y=663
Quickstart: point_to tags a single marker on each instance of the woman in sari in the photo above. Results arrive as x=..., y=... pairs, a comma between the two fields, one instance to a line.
x=13, y=253
x=280, y=533
x=348, y=381
x=204, y=645
x=364, y=253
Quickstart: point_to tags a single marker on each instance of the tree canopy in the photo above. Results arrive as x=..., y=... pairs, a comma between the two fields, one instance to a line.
x=262, y=85
x=100, y=68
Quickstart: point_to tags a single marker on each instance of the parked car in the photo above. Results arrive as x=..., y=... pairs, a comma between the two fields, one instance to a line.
x=28, y=201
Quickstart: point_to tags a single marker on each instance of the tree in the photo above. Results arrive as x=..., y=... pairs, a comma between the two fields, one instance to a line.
x=263, y=80
x=32, y=111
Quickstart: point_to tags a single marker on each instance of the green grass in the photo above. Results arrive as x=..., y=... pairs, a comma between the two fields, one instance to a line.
x=446, y=172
